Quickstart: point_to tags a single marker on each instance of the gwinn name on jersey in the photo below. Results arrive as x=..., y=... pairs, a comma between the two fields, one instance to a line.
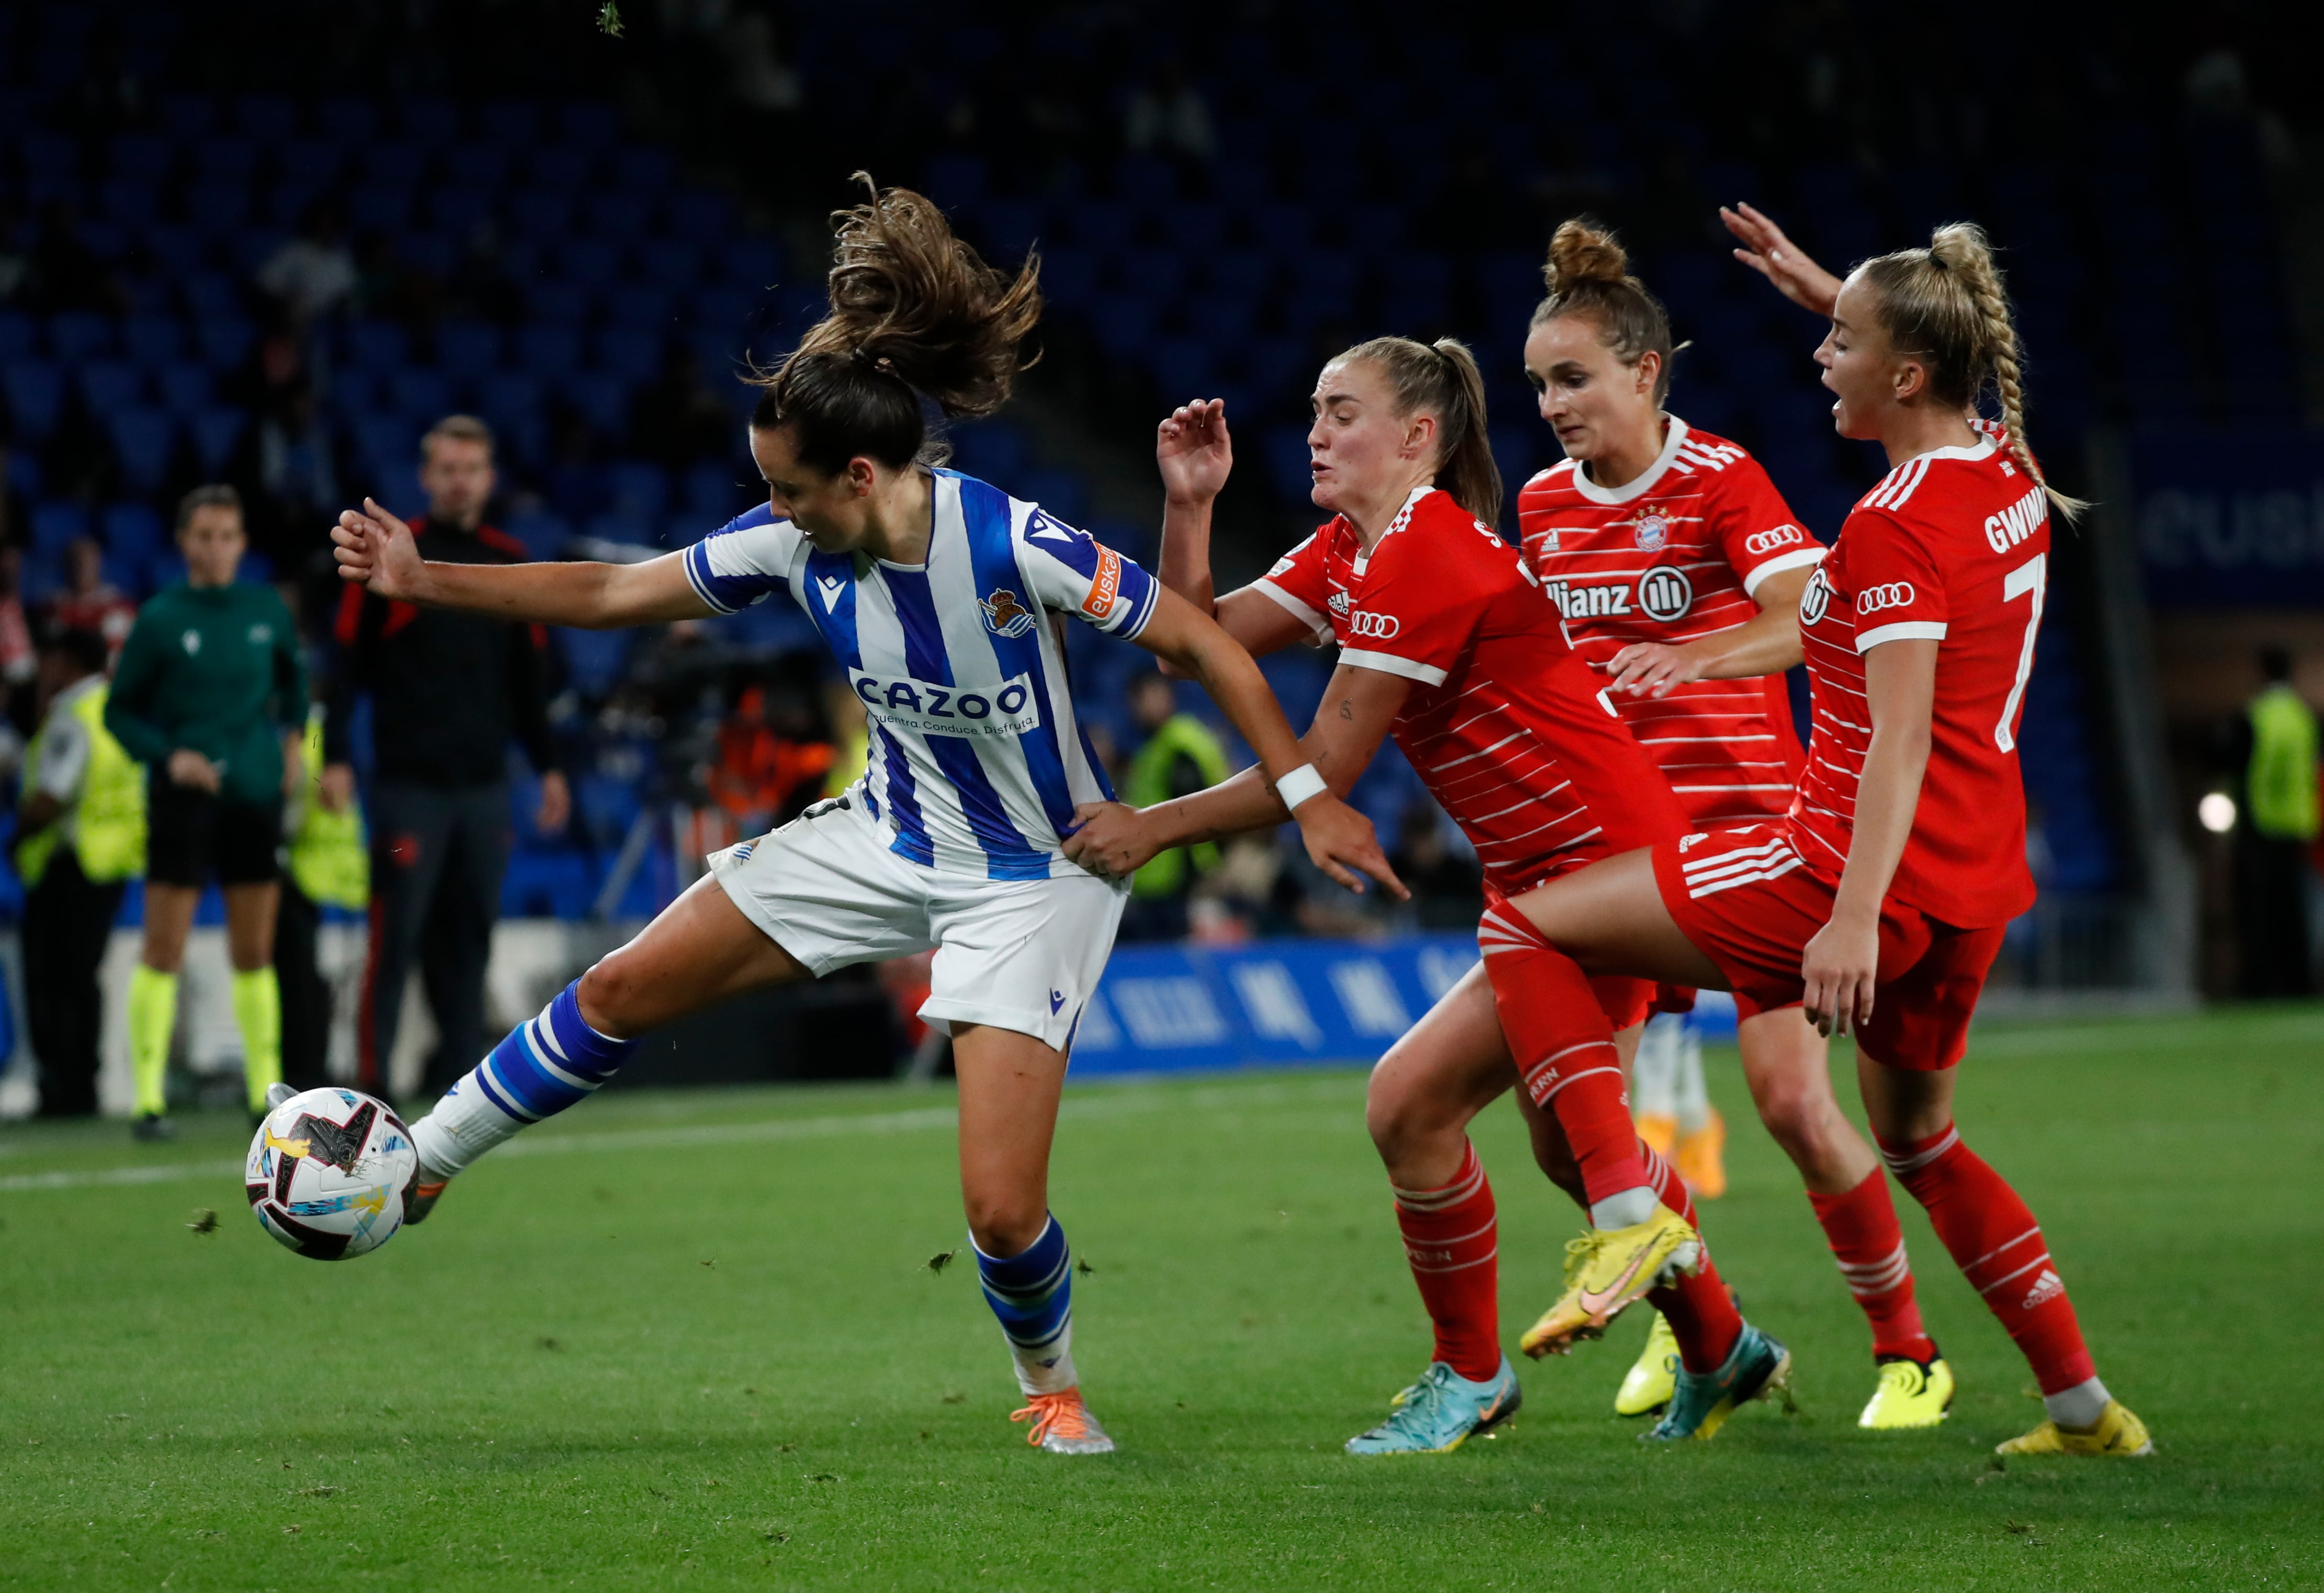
x=1672, y=555
x=976, y=760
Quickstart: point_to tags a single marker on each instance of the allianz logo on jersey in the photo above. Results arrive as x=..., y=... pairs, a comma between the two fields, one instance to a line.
x=1010, y=708
x=1664, y=594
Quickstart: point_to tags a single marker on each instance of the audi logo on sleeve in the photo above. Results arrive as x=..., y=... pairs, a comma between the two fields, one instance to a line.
x=1767, y=542
x=1815, y=599
x=1377, y=627
x=1665, y=594
x=1895, y=594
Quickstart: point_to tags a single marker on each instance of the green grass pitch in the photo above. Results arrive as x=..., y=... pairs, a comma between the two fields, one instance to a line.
x=694, y=1341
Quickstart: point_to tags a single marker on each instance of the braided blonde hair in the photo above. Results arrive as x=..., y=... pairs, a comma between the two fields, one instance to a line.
x=1945, y=305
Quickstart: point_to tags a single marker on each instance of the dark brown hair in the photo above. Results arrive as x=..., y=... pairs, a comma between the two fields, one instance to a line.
x=916, y=315
x=1588, y=274
x=1441, y=377
x=216, y=495
x=1944, y=306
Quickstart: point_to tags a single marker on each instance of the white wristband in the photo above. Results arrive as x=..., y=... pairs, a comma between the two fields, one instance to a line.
x=1299, y=785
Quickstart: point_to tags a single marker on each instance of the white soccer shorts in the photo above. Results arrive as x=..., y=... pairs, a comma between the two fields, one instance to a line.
x=1023, y=954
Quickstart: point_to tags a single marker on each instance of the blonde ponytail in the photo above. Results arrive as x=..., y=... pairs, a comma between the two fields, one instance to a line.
x=1945, y=304
x=1441, y=377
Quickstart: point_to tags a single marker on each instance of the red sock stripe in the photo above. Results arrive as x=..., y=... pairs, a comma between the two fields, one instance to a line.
x=1869, y=1247
x=1994, y=1240
x=1452, y=1241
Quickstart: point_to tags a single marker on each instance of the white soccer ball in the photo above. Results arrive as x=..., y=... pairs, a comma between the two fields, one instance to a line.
x=329, y=1173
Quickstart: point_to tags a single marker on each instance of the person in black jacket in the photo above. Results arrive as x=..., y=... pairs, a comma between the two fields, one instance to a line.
x=448, y=693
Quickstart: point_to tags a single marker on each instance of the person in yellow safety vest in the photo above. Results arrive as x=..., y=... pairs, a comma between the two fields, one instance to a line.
x=850, y=738
x=1179, y=757
x=2279, y=824
x=329, y=866
x=82, y=818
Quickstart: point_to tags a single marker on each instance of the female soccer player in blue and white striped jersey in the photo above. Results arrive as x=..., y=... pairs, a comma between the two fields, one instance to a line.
x=941, y=596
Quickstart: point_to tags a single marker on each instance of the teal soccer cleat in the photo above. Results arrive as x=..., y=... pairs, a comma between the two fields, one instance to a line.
x=1700, y=1406
x=1441, y=1412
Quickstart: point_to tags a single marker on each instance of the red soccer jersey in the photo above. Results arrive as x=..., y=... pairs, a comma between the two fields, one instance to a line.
x=1675, y=555
x=1505, y=727
x=1952, y=546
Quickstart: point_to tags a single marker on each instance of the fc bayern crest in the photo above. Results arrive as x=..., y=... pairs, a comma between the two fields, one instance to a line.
x=1652, y=530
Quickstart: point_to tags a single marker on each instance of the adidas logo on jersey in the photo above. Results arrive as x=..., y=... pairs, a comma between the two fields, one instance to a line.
x=2047, y=1287
x=1338, y=603
x=1006, y=708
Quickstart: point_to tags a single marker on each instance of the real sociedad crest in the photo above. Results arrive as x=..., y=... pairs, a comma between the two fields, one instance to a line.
x=1004, y=615
x=1652, y=530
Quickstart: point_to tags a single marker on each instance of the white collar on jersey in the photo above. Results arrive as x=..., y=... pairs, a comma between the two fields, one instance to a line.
x=1630, y=491
x=1981, y=451
x=1403, y=518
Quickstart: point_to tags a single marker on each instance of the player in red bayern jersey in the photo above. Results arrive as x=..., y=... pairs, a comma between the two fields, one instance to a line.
x=1680, y=570
x=1448, y=643
x=1880, y=898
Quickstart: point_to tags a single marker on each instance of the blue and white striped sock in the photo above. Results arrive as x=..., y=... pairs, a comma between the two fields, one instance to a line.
x=1032, y=1293
x=543, y=1067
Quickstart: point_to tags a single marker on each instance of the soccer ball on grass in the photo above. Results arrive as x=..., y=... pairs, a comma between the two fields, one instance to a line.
x=329, y=1173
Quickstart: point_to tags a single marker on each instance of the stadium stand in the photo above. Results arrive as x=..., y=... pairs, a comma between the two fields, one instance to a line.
x=211, y=264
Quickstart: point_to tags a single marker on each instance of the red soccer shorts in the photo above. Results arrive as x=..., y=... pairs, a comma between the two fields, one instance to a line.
x=1750, y=902
x=1626, y=1001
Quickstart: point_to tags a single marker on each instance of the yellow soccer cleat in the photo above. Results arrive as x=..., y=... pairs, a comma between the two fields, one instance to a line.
x=1659, y=1130
x=1607, y=1270
x=1700, y=1159
x=2119, y=1435
x=1646, y=1387
x=1909, y=1394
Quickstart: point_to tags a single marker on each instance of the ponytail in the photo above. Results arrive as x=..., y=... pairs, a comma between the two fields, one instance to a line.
x=915, y=316
x=1945, y=306
x=1443, y=378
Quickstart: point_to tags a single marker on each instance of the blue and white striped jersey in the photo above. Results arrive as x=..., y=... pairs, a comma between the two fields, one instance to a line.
x=976, y=760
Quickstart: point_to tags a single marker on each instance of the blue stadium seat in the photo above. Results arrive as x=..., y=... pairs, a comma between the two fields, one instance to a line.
x=388, y=444
x=606, y=805
x=377, y=344
x=594, y=659
x=269, y=118
x=588, y=124
x=507, y=395
x=557, y=301
x=1124, y=323
x=615, y=214
x=143, y=156
x=109, y=384
x=989, y=450
x=699, y=217
x=594, y=263
x=544, y=535
x=544, y=213
x=78, y=335
x=509, y=122
x=224, y=158
x=459, y=212
x=17, y=335
x=676, y=263
x=435, y=253
x=548, y=350
x=152, y=338
x=634, y=488
x=468, y=349
x=345, y=119
x=132, y=532
x=1068, y=276
x=394, y=164
x=1064, y=493
x=225, y=341
x=633, y=353
x=424, y=395
x=1285, y=449
x=481, y=165
x=1221, y=316
x=311, y=166
x=547, y=884
x=23, y=474
x=35, y=391
x=428, y=121
x=377, y=208
x=216, y=207
x=601, y=400
x=955, y=179
x=142, y=440
x=558, y=166
x=55, y=524
x=128, y=201
x=1153, y=273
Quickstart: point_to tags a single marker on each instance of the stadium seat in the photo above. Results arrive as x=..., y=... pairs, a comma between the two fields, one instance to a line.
x=376, y=345
x=224, y=343
x=35, y=391
x=216, y=431
x=677, y=262
x=632, y=353
x=594, y=263
x=459, y=212
x=955, y=179
x=18, y=336
x=602, y=400
x=142, y=440
x=78, y=335
x=753, y=262
x=544, y=535
x=427, y=121
x=422, y=394
x=548, y=350
x=699, y=217
x=634, y=488
x=55, y=524
x=616, y=213
x=560, y=167
x=152, y=338
x=109, y=384
x=128, y=201
x=544, y=213
x=594, y=659
x=557, y=301
x=511, y=123
x=131, y=531
x=468, y=349
x=541, y=884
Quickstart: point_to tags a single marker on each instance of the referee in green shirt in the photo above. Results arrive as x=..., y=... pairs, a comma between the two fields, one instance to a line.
x=210, y=696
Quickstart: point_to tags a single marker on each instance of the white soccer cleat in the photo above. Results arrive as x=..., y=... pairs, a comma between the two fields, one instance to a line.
x=1063, y=1424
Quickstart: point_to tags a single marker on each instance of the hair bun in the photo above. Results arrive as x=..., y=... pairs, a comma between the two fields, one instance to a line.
x=1580, y=251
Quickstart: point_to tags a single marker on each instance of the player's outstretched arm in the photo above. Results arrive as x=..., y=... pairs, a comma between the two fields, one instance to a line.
x=1195, y=455
x=1782, y=262
x=1766, y=644
x=1839, y=966
x=1355, y=715
x=378, y=550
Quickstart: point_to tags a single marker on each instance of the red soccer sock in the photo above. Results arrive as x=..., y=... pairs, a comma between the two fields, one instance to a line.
x=1698, y=1307
x=1565, y=1049
x=1998, y=1247
x=1870, y=1246
x=1451, y=1237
